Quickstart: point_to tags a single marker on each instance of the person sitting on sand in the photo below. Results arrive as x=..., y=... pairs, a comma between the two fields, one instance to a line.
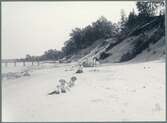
x=62, y=85
x=80, y=69
x=72, y=81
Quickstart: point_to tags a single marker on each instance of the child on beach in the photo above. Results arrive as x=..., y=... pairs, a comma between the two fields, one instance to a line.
x=62, y=85
x=72, y=81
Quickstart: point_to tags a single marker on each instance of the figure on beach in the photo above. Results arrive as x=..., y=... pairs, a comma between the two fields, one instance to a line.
x=80, y=68
x=72, y=81
x=95, y=59
x=63, y=86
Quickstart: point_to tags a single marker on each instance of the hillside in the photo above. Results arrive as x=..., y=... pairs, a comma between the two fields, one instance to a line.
x=146, y=42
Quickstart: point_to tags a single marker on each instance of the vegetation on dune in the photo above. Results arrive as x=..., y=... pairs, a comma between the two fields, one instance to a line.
x=81, y=38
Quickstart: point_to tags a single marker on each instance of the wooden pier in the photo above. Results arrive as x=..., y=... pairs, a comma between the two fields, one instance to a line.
x=24, y=63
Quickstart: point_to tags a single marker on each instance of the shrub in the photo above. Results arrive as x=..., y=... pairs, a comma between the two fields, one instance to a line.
x=164, y=52
x=104, y=55
x=127, y=56
x=154, y=52
x=148, y=49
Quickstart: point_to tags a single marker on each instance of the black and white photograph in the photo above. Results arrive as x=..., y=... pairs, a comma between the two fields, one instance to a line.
x=83, y=61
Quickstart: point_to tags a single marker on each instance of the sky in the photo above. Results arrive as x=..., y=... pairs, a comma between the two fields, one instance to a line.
x=34, y=27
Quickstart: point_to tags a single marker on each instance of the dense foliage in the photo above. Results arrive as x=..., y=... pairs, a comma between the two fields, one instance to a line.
x=82, y=38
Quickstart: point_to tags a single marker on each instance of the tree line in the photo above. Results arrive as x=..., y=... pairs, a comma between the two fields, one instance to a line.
x=102, y=28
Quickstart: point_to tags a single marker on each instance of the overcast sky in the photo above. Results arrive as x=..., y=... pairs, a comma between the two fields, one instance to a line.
x=34, y=27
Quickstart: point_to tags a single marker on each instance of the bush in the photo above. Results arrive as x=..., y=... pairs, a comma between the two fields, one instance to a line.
x=148, y=49
x=164, y=52
x=154, y=52
x=127, y=56
x=104, y=55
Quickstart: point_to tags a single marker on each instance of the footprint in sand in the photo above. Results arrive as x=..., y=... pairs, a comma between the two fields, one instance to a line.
x=123, y=111
x=157, y=107
x=133, y=90
x=125, y=104
x=144, y=87
x=96, y=100
x=107, y=88
x=113, y=97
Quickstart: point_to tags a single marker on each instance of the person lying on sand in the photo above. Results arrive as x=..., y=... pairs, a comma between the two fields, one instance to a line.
x=57, y=91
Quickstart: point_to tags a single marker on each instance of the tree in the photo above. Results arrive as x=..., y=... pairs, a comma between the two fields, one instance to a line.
x=132, y=20
x=51, y=54
x=82, y=38
x=69, y=48
x=148, y=9
x=102, y=28
x=122, y=23
x=123, y=18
